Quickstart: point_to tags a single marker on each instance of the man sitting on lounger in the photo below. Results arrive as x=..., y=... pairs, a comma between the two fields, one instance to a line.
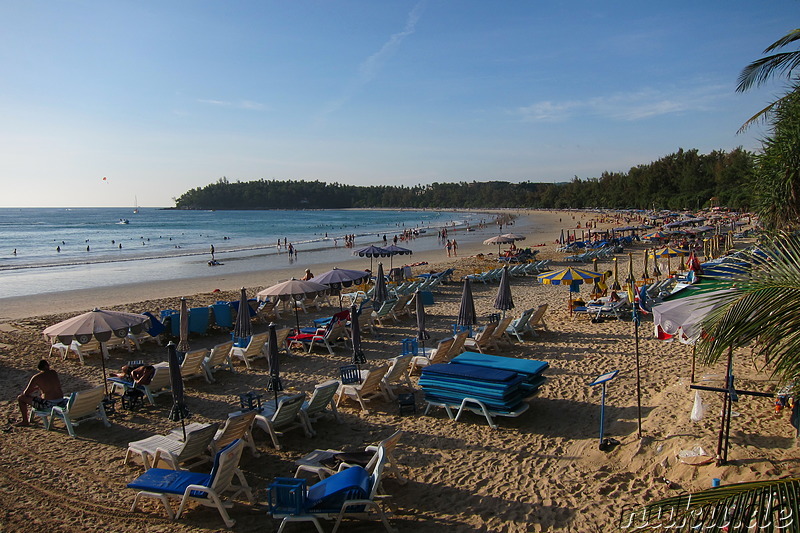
x=48, y=385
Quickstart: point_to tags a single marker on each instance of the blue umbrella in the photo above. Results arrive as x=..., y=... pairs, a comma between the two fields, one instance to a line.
x=394, y=250
x=372, y=251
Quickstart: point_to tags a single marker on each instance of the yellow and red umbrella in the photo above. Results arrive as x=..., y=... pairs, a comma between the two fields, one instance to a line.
x=568, y=276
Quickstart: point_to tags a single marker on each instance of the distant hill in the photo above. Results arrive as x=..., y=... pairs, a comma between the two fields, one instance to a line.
x=685, y=179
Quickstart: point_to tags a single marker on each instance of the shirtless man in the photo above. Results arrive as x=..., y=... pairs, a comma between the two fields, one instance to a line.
x=48, y=384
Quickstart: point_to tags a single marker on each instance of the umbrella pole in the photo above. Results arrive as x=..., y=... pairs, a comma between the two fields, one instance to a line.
x=694, y=352
x=638, y=376
x=103, y=364
x=296, y=318
x=726, y=405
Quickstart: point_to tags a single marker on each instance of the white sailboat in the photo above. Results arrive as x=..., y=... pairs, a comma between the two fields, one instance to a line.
x=135, y=205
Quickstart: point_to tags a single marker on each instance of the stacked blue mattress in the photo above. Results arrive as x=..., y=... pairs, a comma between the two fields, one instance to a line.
x=529, y=369
x=501, y=390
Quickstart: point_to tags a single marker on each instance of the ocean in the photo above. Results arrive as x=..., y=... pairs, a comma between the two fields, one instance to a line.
x=58, y=249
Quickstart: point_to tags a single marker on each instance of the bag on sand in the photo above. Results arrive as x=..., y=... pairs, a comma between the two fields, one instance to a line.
x=698, y=409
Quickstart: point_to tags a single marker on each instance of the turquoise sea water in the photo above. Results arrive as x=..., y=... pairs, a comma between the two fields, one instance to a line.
x=62, y=249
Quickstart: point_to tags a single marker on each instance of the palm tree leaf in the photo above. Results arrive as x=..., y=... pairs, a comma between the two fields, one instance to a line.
x=768, y=506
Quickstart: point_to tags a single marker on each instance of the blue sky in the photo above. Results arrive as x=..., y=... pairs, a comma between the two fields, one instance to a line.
x=163, y=96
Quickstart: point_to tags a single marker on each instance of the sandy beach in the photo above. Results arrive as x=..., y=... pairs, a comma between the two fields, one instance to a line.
x=542, y=471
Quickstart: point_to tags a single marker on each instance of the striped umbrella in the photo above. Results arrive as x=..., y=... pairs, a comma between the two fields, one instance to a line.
x=466, y=312
x=670, y=252
x=569, y=276
x=504, y=301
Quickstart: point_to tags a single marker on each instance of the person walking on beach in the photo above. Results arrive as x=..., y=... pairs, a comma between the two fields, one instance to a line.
x=455, y=248
x=48, y=385
x=212, y=253
x=449, y=247
x=291, y=249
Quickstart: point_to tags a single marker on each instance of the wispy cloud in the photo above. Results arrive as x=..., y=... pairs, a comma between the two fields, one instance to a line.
x=628, y=106
x=241, y=104
x=370, y=67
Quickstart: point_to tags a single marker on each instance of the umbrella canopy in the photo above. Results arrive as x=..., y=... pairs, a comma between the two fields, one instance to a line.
x=99, y=324
x=504, y=301
x=568, y=276
x=242, y=328
x=381, y=293
x=178, y=410
x=293, y=289
x=466, y=311
x=372, y=251
x=275, y=384
x=684, y=317
x=514, y=236
x=342, y=277
x=671, y=252
x=183, y=342
x=498, y=240
x=396, y=250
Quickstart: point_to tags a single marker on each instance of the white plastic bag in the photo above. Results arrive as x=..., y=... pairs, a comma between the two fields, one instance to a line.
x=698, y=409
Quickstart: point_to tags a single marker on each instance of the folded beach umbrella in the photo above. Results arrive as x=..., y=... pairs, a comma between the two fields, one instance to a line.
x=372, y=251
x=561, y=239
x=98, y=324
x=242, y=329
x=645, y=274
x=616, y=286
x=422, y=333
x=381, y=293
x=275, y=384
x=466, y=311
x=355, y=334
x=503, y=301
x=178, y=410
x=293, y=289
x=183, y=342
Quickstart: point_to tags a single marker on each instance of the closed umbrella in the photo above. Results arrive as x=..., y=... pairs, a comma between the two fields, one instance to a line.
x=179, y=410
x=355, y=334
x=98, y=324
x=422, y=333
x=466, y=311
x=381, y=293
x=504, y=301
x=242, y=328
x=291, y=290
x=616, y=286
x=183, y=342
x=275, y=384
x=645, y=275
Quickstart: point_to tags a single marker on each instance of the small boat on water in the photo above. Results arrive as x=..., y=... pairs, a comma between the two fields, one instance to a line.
x=124, y=221
x=135, y=205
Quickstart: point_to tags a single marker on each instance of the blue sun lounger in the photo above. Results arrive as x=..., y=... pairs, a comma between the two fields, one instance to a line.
x=487, y=391
x=530, y=369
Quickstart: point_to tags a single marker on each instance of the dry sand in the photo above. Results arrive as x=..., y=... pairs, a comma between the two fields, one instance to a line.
x=542, y=471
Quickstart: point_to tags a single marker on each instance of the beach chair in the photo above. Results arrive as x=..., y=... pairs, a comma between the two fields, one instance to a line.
x=82, y=406
x=206, y=489
x=313, y=462
x=401, y=307
x=483, y=339
x=285, y=418
x=369, y=387
x=397, y=373
x=334, y=335
x=255, y=348
x=384, y=312
x=237, y=426
x=437, y=355
x=222, y=313
x=172, y=450
x=318, y=406
x=537, y=320
x=192, y=365
x=520, y=326
x=365, y=322
x=267, y=312
x=499, y=336
x=218, y=358
x=351, y=493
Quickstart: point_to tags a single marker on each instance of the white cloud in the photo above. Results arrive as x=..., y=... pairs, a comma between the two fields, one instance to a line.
x=628, y=106
x=242, y=104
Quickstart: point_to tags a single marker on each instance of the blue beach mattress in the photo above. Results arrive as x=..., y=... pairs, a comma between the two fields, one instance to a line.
x=500, y=390
x=528, y=367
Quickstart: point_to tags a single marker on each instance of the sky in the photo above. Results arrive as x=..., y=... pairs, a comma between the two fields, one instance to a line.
x=120, y=102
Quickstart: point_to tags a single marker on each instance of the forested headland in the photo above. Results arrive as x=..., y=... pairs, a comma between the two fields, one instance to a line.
x=685, y=179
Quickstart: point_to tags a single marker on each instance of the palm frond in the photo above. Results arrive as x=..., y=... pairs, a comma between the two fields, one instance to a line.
x=790, y=37
x=768, y=506
x=762, y=69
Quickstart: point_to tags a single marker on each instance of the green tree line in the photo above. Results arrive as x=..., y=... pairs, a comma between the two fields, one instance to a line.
x=685, y=179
